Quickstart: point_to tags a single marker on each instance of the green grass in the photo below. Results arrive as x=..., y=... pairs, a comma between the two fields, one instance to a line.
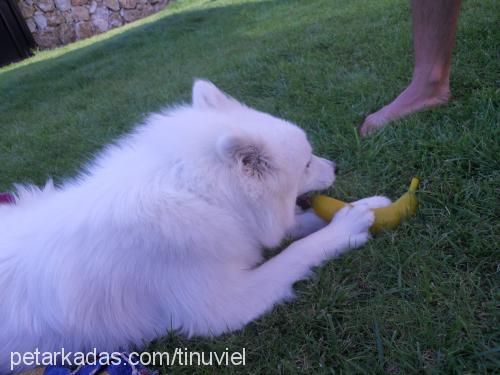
x=422, y=298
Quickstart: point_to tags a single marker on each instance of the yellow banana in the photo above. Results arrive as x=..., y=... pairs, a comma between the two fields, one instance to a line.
x=385, y=217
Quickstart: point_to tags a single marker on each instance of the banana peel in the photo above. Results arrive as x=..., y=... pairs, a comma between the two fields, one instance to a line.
x=385, y=217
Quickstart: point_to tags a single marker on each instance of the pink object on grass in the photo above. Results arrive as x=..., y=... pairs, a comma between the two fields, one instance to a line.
x=6, y=198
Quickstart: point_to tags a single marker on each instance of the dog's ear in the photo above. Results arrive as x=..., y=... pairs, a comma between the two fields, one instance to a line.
x=246, y=154
x=206, y=95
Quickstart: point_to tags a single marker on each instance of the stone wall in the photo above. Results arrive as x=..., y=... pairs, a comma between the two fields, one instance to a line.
x=58, y=22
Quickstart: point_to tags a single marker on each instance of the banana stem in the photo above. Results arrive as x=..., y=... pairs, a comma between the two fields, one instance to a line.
x=414, y=184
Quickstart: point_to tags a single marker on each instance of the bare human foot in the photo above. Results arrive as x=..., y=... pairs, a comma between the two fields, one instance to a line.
x=416, y=97
x=434, y=23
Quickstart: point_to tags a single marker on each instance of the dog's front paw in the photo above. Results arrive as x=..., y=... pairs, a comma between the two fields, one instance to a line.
x=373, y=202
x=352, y=224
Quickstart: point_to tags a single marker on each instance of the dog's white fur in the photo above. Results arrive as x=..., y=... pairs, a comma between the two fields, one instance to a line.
x=165, y=231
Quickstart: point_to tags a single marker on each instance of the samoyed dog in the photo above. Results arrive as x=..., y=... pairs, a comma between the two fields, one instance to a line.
x=165, y=230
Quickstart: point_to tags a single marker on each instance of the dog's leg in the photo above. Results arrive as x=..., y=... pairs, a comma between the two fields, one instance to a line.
x=306, y=222
x=257, y=290
x=373, y=202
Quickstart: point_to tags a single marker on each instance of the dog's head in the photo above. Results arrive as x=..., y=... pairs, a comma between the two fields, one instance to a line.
x=265, y=160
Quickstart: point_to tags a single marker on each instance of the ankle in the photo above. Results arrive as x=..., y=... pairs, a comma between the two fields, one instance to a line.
x=431, y=86
x=433, y=80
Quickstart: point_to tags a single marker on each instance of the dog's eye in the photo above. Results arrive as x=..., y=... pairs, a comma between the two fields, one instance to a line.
x=308, y=165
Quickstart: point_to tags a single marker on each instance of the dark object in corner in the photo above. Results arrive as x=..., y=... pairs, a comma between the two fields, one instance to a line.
x=16, y=40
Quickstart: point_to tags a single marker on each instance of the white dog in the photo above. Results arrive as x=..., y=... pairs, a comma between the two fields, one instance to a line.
x=165, y=231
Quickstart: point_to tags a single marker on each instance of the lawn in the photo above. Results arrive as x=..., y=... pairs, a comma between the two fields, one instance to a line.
x=422, y=298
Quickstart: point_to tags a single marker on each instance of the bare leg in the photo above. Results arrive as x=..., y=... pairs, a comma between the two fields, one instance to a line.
x=434, y=26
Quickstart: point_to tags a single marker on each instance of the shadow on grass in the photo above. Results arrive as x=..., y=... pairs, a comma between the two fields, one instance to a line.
x=84, y=98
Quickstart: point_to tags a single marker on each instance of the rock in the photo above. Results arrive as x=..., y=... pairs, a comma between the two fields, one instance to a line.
x=128, y=4
x=47, y=38
x=63, y=4
x=40, y=20
x=130, y=15
x=112, y=4
x=45, y=5
x=66, y=33
x=84, y=30
x=31, y=25
x=115, y=20
x=55, y=22
x=68, y=16
x=159, y=6
x=100, y=24
x=147, y=10
x=100, y=19
x=26, y=10
x=101, y=12
x=93, y=7
x=54, y=18
x=80, y=13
